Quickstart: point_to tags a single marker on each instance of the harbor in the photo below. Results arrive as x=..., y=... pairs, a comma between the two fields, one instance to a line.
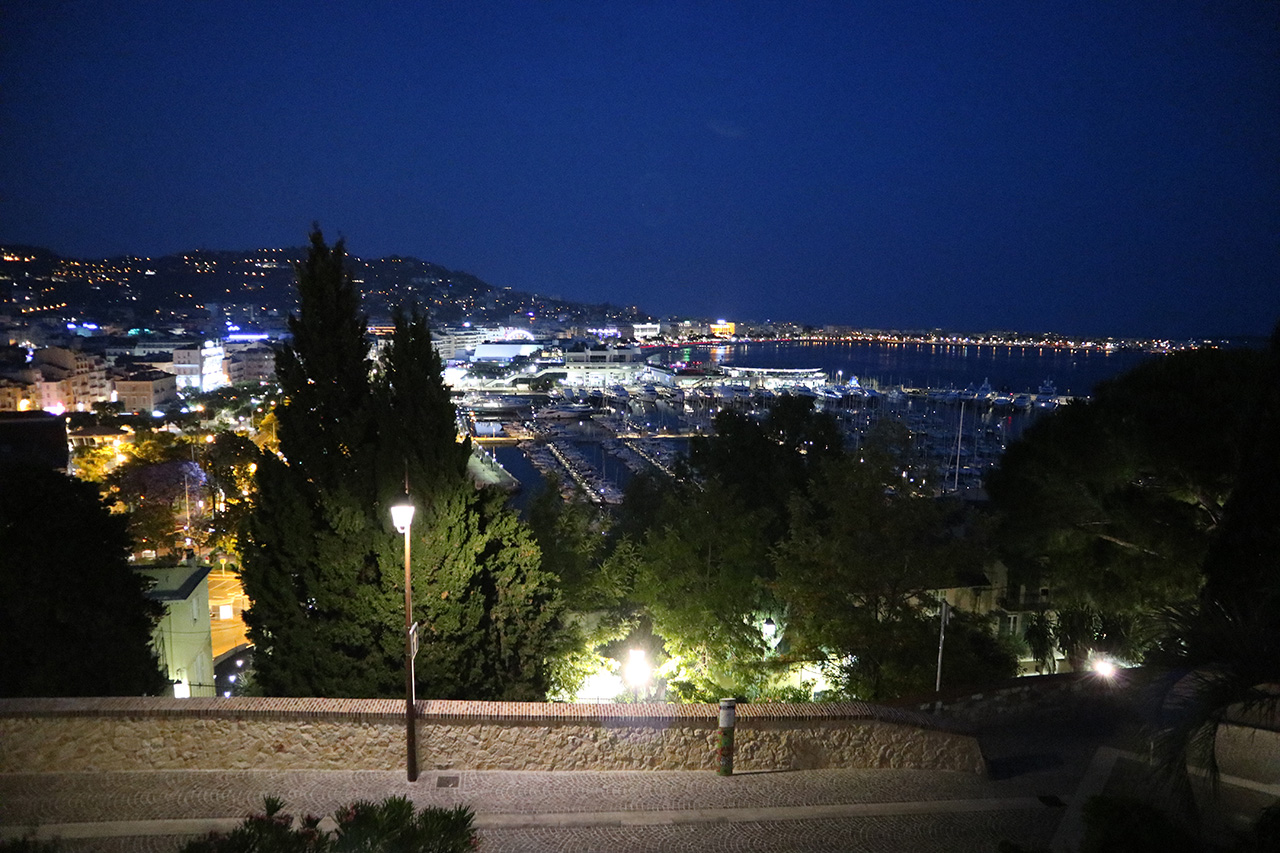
x=593, y=441
x=608, y=412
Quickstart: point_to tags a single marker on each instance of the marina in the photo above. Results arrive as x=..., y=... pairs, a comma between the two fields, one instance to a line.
x=593, y=450
x=593, y=439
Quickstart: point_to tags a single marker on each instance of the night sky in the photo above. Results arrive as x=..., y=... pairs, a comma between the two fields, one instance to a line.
x=1082, y=167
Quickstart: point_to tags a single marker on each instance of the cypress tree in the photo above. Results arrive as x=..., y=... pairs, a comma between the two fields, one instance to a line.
x=323, y=566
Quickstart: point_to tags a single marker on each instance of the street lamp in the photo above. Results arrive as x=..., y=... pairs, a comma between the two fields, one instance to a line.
x=402, y=518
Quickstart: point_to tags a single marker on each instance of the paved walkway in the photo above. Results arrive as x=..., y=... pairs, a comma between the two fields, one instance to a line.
x=856, y=810
x=1039, y=773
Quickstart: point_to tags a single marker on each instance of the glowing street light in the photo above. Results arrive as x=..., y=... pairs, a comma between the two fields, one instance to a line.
x=637, y=670
x=402, y=518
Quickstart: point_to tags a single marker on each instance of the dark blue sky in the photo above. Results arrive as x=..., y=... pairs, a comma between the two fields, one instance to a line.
x=1101, y=168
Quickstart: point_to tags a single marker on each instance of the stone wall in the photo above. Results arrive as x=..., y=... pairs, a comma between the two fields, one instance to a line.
x=364, y=734
x=1066, y=692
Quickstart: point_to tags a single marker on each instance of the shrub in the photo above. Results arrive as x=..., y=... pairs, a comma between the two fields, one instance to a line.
x=391, y=826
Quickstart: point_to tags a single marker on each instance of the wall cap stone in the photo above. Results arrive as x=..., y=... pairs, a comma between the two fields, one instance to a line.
x=442, y=710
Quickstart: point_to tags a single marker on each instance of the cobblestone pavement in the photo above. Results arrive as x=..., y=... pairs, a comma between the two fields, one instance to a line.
x=854, y=810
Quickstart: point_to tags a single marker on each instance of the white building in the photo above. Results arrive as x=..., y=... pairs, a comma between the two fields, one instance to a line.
x=184, y=638
x=200, y=367
x=599, y=365
x=505, y=350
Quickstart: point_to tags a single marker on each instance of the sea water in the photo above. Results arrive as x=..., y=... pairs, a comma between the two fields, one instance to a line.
x=1012, y=369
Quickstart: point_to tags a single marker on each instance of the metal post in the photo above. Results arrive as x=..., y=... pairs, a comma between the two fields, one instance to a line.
x=942, y=635
x=724, y=753
x=410, y=698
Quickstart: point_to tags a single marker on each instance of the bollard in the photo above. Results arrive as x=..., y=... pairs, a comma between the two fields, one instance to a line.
x=725, y=752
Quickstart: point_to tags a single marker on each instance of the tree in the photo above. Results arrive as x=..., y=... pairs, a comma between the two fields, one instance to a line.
x=161, y=486
x=74, y=619
x=862, y=562
x=230, y=461
x=321, y=564
x=1116, y=500
x=701, y=576
x=768, y=460
x=1221, y=653
x=570, y=537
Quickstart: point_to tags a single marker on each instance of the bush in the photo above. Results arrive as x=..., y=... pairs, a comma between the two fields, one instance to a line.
x=391, y=826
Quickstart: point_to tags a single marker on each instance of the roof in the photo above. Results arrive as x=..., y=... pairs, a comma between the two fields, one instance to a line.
x=173, y=583
x=38, y=438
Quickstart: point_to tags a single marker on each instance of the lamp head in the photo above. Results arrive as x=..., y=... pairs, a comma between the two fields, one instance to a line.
x=402, y=515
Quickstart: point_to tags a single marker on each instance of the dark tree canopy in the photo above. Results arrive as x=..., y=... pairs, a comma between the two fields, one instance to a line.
x=701, y=574
x=322, y=565
x=74, y=618
x=768, y=460
x=1222, y=651
x=1117, y=499
x=325, y=372
x=1242, y=565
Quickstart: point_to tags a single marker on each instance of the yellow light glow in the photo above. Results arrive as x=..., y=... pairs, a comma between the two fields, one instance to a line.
x=637, y=671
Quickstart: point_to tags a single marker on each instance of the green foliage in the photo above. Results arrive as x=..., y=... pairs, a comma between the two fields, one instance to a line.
x=322, y=567
x=394, y=826
x=1116, y=500
x=1222, y=659
x=1222, y=653
x=973, y=655
x=642, y=502
x=229, y=463
x=700, y=575
x=1082, y=631
x=74, y=619
x=390, y=826
x=569, y=535
x=1040, y=635
x=94, y=462
x=768, y=461
x=158, y=486
x=1244, y=560
x=492, y=618
x=863, y=554
x=326, y=421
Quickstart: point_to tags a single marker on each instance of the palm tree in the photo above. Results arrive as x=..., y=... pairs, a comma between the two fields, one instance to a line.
x=1223, y=666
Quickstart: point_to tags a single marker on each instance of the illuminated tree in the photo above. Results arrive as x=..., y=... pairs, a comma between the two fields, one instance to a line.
x=860, y=568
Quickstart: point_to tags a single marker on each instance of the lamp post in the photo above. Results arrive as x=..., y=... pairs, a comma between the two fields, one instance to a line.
x=402, y=518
